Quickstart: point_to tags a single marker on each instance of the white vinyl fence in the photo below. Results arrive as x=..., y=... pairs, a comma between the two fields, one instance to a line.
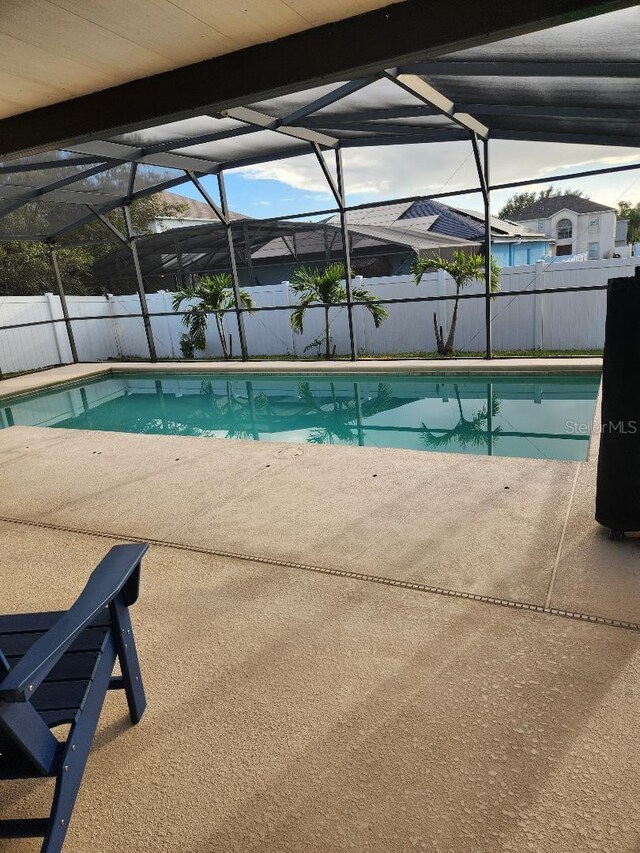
x=549, y=321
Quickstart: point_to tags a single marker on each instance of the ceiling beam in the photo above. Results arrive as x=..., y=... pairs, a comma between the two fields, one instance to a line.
x=426, y=93
x=332, y=97
x=359, y=46
x=265, y=122
x=500, y=68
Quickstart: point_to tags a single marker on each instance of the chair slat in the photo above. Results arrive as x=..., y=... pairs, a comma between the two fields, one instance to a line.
x=24, y=828
x=16, y=645
x=59, y=695
x=22, y=623
x=72, y=667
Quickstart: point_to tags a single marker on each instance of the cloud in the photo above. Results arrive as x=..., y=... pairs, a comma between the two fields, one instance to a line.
x=394, y=172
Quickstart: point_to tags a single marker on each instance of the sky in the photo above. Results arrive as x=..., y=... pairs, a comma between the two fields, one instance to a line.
x=297, y=184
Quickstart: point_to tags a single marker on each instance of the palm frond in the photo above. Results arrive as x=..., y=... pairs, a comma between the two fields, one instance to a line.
x=380, y=403
x=463, y=268
x=185, y=292
x=420, y=266
x=196, y=321
x=306, y=395
x=297, y=317
x=372, y=304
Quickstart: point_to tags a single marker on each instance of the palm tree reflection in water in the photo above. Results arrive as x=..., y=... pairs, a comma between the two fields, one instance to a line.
x=233, y=413
x=337, y=420
x=476, y=431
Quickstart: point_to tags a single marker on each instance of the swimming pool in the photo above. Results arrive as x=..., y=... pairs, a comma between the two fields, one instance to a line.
x=538, y=416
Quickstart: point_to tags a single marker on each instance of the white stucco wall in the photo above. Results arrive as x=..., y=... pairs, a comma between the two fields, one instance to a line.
x=604, y=234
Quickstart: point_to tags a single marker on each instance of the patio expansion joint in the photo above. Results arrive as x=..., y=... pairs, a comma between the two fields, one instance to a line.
x=556, y=563
x=413, y=586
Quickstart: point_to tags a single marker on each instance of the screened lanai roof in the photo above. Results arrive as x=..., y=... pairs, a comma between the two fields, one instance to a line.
x=576, y=83
x=201, y=248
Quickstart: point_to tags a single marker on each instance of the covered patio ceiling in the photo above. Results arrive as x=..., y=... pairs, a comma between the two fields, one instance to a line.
x=576, y=83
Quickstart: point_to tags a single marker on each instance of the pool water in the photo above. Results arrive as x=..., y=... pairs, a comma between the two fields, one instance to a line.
x=543, y=416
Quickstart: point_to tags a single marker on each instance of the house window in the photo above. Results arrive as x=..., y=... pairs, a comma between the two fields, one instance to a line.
x=593, y=251
x=565, y=229
x=564, y=250
x=594, y=224
x=540, y=227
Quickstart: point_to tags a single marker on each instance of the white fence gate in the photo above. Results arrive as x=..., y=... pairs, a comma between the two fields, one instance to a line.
x=542, y=321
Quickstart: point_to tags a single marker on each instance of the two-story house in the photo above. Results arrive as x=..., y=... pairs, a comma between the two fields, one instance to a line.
x=578, y=225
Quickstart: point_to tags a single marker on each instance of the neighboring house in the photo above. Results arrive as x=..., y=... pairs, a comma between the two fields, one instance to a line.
x=512, y=243
x=195, y=213
x=622, y=245
x=578, y=226
x=376, y=250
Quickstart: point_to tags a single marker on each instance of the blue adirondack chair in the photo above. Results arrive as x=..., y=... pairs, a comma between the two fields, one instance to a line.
x=55, y=669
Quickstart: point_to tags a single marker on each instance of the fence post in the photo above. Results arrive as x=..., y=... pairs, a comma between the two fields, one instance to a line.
x=538, y=306
x=116, y=324
x=55, y=312
x=287, y=290
x=358, y=281
x=165, y=306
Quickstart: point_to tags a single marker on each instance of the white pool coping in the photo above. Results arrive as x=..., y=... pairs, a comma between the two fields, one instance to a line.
x=33, y=382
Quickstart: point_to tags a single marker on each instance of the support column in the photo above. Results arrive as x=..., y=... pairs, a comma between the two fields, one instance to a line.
x=346, y=244
x=234, y=268
x=487, y=249
x=63, y=303
x=140, y=281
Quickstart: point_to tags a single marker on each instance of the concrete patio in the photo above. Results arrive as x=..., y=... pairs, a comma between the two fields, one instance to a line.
x=344, y=648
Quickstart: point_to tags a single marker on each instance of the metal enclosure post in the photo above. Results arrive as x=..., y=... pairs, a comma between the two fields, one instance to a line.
x=346, y=246
x=487, y=247
x=347, y=250
x=141, y=293
x=234, y=267
x=63, y=303
x=247, y=251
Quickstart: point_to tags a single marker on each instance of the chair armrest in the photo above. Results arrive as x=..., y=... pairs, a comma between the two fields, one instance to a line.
x=117, y=573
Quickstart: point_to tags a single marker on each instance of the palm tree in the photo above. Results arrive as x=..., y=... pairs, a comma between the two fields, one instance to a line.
x=215, y=296
x=467, y=432
x=325, y=287
x=463, y=269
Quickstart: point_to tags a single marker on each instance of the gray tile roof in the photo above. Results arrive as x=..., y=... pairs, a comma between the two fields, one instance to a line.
x=547, y=207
